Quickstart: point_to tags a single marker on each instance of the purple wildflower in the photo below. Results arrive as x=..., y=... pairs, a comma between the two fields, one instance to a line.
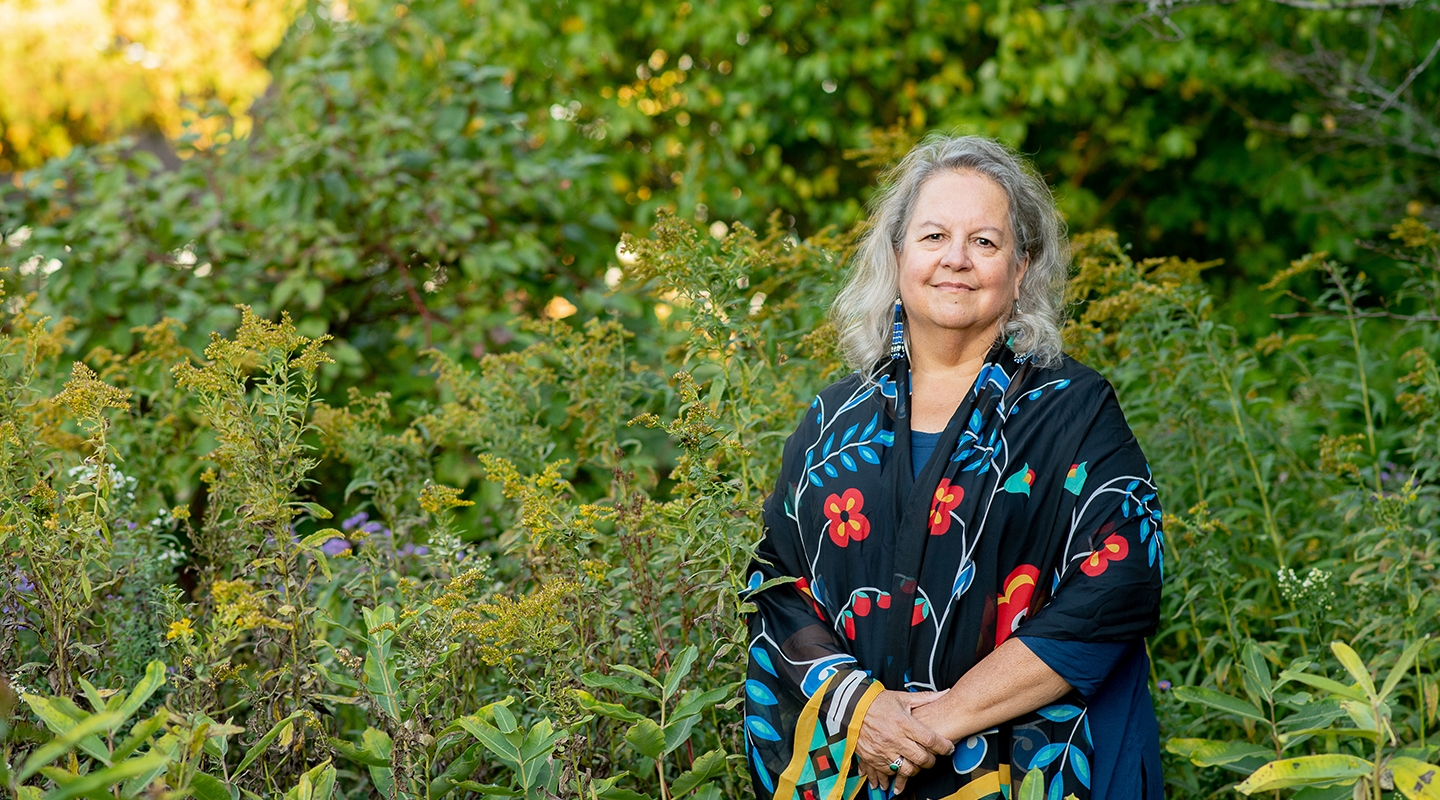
x=354, y=522
x=409, y=549
x=23, y=583
x=1164, y=686
x=335, y=546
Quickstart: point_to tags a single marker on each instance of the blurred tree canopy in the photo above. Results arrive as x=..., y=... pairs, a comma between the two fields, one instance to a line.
x=86, y=71
x=424, y=173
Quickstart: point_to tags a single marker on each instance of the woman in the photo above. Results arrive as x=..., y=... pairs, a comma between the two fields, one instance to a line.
x=963, y=552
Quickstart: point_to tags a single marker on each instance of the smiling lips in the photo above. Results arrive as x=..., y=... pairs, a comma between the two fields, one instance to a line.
x=950, y=286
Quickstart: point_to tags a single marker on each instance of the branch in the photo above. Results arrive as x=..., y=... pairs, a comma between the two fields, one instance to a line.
x=1410, y=78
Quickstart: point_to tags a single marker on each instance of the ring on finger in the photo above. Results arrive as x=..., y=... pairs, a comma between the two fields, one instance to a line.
x=896, y=764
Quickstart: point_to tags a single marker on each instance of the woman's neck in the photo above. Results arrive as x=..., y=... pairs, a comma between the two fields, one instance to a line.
x=942, y=370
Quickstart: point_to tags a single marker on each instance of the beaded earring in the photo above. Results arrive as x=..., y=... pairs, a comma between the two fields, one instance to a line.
x=897, y=334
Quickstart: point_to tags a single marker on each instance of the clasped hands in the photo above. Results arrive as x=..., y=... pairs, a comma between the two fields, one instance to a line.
x=890, y=730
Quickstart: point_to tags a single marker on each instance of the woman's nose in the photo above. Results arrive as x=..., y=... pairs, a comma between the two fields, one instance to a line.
x=956, y=256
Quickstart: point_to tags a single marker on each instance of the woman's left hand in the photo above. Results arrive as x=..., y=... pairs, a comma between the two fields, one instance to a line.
x=890, y=731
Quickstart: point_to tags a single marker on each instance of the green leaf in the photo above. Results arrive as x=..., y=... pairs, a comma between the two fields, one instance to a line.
x=208, y=787
x=154, y=679
x=259, y=747
x=1214, y=753
x=588, y=702
x=1218, y=700
x=698, y=703
x=1032, y=787
x=1293, y=736
x=1350, y=660
x=380, y=659
x=677, y=731
x=1414, y=778
x=504, y=720
x=378, y=742
x=1397, y=672
x=647, y=738
x=110, y=776
x=1315, y=714
x=458, y=771
x=1256, y=670
x=679, y=670
x=65, y=742
x=706, y=767
x=618, y=684
x=492, y=739
x=1361, y=714
x=359, y=755
x=92, y=694
x=1322, y=770
x=639, y=673
x=1325, y=684
x=55, y=713
x=317, y=510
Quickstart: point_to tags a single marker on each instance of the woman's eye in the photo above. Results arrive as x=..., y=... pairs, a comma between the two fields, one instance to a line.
x=983, y=242
x=934, y=237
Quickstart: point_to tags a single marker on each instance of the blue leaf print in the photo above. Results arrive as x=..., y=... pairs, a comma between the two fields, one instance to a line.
x=963, y=454
x=850, y=431
x=1057, y=788
x=887, y=387
x=1062, y=384
x=1153, y=548
x=815, y=479
x=868, y=454
x=964, y=579
x=816, y=402
x=831, y=471
x=1125, y=507
x=760, y=693
x=1059, y=713
x=1144, y=529
x=820, y=418
x=1047, y=754
x=829, y=443
x=761, y=729
x=886, y=438
x=759, y=656
x=975, y=420
x=1080, y=764
x=869, y=429
x=1015, y=409
x=761, y=771
x=1026, y=743
x=1131, y=487
x=1035, y=395
x=817, y=590
x=755, y=580
x=809, y=458
x=848, y=462
x=1088, y=740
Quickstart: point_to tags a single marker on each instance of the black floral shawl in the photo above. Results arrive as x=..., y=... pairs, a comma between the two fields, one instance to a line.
x=1037, y=513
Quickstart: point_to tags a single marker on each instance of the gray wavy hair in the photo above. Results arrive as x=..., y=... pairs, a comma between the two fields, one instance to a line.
x=864, y=308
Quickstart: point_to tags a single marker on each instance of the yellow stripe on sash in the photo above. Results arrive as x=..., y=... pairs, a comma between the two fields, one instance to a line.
x=984, y=786
x=805, y=732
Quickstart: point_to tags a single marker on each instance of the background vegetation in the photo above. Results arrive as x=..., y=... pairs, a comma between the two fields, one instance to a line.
x=469, y=518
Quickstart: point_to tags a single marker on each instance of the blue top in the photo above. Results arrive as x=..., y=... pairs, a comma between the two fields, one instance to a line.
x=922, y=444
x=1113, y=677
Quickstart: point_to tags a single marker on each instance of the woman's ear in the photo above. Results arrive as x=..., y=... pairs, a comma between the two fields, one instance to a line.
x=1020, y=273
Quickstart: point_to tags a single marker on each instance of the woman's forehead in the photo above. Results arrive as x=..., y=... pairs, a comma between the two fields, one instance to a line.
x=961, y=197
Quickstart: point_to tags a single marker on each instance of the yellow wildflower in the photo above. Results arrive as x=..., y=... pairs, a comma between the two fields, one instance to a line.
x=180, y=629
x=435, y=498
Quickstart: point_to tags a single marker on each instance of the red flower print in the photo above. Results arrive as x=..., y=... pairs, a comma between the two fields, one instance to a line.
x=846, y=521
x=1115, y=548
x=849, y=624
x=947, y=497
x=921, y=611
x=1013, y=605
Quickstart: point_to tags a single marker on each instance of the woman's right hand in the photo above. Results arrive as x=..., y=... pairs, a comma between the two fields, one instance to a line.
x=890, y=730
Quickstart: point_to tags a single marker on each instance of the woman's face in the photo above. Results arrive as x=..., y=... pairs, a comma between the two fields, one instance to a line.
x=958, y=271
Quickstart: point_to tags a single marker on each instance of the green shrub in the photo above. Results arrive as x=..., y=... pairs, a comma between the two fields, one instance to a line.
x=569, y=625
